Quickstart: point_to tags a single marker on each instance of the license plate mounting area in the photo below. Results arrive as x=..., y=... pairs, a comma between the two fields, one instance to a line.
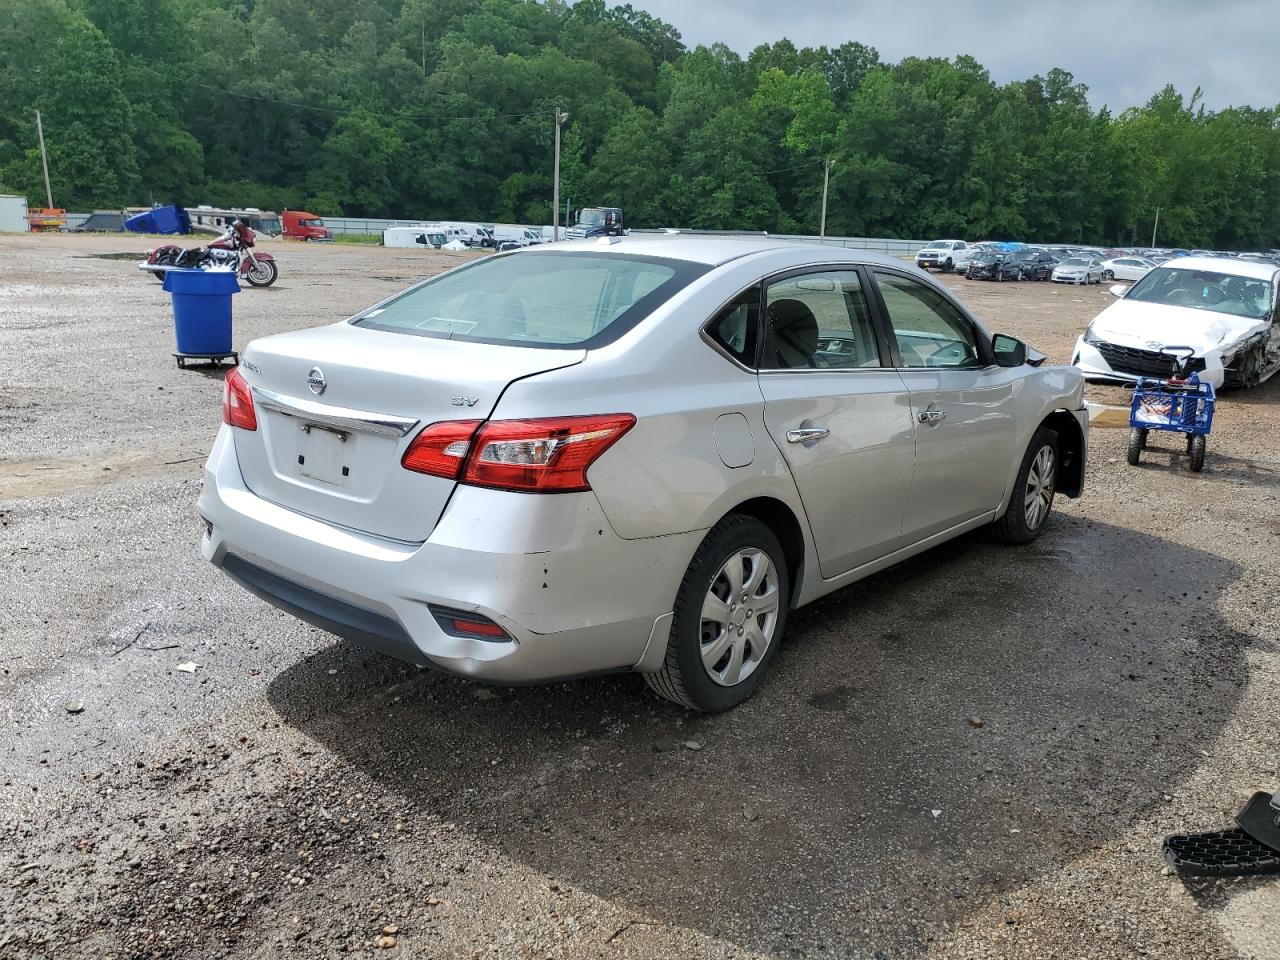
x=325, y=453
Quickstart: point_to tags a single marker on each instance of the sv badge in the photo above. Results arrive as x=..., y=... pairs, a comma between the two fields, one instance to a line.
x=464, y=401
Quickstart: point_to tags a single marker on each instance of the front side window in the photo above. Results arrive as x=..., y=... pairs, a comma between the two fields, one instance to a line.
x=929, y=329
x=537, y=299
x=818, y=321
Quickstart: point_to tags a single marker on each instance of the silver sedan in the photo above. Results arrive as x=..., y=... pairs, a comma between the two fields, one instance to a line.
x=629, y=454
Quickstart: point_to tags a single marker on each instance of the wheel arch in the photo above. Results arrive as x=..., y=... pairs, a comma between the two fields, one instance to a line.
x=1071, y=451
x=781, y=519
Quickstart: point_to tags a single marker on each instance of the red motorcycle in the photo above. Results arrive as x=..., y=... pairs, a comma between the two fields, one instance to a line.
x=232, y=248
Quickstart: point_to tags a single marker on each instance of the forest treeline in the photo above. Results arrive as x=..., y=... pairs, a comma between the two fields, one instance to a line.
x=443, y=108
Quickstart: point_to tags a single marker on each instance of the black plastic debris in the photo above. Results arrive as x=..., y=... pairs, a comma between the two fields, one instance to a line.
x=1252, y=848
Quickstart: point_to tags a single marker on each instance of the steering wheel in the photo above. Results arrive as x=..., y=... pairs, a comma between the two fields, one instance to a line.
x=1211, y=295
x=950, y=355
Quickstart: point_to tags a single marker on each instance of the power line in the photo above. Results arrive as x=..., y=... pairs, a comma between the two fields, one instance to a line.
x=798, y=166
x=372, y=113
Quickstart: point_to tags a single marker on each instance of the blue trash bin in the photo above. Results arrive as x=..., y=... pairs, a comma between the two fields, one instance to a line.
x=202, y=310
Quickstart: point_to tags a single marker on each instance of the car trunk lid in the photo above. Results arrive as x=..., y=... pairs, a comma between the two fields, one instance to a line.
x=337, y=406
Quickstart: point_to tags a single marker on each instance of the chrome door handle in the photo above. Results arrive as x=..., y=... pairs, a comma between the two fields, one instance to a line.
x=932, y=416
x=805, y=434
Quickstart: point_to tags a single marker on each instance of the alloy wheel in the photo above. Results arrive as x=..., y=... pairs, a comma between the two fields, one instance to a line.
x=739, y=616
x=1038, y=496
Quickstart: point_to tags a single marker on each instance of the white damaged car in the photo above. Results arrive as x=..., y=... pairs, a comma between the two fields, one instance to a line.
x=1224, y=310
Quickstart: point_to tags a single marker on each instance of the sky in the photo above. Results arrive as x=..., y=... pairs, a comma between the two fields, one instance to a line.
x=1124, y=50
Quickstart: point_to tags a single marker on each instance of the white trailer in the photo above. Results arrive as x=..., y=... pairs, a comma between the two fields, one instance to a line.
x=427, y=237
x=13, y=214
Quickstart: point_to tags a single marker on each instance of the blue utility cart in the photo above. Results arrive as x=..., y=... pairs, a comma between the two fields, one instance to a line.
x=1180, y=404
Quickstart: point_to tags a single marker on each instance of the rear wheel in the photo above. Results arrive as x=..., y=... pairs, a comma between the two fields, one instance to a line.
x=1195, y=452
x=1137, y=443
x=1108, y=275
x=1033, y=491
x=730, y=614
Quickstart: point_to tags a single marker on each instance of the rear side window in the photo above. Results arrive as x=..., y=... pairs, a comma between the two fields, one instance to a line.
x=565, y=300
x=818, y=321
x=735, y=328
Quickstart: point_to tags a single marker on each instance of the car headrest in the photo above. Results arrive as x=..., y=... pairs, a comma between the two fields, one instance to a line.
x=793, y=333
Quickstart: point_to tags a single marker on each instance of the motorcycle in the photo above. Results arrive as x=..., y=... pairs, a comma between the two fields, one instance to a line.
x=233, y=248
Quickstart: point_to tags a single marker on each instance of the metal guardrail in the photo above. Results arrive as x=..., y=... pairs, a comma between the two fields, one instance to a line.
x=373, y=226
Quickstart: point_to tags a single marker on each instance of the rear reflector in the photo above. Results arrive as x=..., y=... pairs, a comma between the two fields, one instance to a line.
x=460, y=623
x=237, y=401
x=533, y=456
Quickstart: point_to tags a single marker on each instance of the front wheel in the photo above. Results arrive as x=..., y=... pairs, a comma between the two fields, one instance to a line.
x=262, y=273
x=1033, y=491
x=948, y=266
x=1195, y=452
x=730, y=614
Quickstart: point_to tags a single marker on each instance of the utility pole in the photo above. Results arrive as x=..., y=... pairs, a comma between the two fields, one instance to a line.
x=827, y=165
x=1155, y=228
x=555, y=189
x=44, y=161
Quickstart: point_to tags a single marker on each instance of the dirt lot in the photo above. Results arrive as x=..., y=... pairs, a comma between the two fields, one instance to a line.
x=975, y=754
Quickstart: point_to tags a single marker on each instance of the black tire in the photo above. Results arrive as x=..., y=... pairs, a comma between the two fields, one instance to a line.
x=1137, y=443
x=265, y=278
x=948, y=266
x=1108, y=275
x=1195, y=452
x=683, y=679
x=1014, y=526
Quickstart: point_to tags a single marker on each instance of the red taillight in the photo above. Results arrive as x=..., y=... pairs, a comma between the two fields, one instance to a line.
x=544, y=456
x=441, y=449
x=237, y=401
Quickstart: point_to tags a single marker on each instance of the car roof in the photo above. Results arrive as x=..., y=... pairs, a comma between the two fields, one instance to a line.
x=1224, y=265
x=714, y=251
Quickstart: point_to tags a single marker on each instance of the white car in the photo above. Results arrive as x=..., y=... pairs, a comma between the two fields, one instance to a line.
x=1224, y=310
x=1077, y=270
x=941, y=254
x=627, y=454
x=1126, y=268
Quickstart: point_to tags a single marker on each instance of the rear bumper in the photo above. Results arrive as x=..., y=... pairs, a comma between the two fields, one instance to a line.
x=573, y=597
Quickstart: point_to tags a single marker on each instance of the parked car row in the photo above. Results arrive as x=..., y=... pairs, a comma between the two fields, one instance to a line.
x=999, y=262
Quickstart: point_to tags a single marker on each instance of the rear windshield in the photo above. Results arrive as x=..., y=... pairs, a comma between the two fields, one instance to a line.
x=1204, y=290
x=568, y=300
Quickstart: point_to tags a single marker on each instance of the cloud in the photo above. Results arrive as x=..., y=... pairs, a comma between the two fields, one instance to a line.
x=1124, y=51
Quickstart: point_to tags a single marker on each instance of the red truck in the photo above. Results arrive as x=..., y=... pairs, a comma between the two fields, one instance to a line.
x=300, y=225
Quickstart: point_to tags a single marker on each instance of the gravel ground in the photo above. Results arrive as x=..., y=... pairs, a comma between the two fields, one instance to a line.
x=974, y=754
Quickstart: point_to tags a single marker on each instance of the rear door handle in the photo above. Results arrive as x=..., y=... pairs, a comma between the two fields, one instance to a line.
x=932, y=416
x=806, y=434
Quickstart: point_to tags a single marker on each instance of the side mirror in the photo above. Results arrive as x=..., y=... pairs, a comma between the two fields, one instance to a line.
x=1119, y=289
x=1009, y=351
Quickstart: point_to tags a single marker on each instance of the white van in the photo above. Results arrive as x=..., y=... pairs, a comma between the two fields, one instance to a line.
x=472, y=234
x=514, y=233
